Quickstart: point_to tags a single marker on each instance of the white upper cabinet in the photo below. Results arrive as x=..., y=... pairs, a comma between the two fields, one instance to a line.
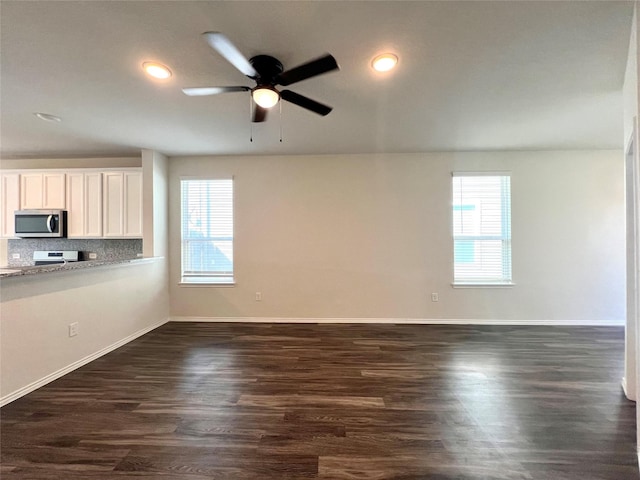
x=75, y=205
x=113, y=198
x=42, y=190
x=10, y=198
x=122, y=197
x=99, y=203
x=53, y=188
x=93, y=204
x=30, y=190
x=84, y=204
x=133, y=204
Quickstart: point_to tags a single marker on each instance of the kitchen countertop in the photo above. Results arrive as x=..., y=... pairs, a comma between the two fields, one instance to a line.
x=7, y=272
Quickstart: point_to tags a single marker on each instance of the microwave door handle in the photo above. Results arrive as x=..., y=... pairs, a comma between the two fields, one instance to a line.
x=50, y=223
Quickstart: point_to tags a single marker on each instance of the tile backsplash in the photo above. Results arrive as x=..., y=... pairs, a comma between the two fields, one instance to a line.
x=104, y=249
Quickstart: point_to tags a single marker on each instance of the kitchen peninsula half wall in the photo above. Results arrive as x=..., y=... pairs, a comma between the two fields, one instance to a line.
x=20, y=251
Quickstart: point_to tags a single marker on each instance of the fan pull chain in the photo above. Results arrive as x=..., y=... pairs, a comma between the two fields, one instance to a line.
x=250, y=119
x=280, y=102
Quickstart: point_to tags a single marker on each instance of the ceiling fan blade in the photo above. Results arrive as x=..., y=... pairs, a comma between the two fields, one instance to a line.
x=310, y=69
x=259, y=113
x=228, y=50
x=305, y=102
x=199, y=91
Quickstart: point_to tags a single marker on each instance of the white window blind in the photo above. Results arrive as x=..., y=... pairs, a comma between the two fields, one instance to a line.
x=207, y=231
x=482, y=228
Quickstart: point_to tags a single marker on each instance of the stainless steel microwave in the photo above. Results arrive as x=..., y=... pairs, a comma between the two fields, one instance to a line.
x=41, y=223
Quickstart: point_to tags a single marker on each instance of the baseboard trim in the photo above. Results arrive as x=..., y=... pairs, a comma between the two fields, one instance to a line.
x=419, y=321
x=624, y=386
x=73, y=366
x=625, y=389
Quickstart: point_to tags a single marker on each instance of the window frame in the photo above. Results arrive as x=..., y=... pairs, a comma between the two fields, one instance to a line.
x=483, y=283
x=205, y=280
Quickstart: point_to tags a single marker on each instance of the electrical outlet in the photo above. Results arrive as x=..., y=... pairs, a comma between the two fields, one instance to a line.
x=73, y=329
x=258, y=296
x=15, y=256
x=93, y=255
x=435, y=297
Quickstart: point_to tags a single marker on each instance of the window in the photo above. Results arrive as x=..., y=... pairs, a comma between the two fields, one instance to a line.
x=482, y=229
x=207, y=231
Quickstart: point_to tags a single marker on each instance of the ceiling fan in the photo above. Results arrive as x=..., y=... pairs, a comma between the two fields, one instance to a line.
x=267, y=72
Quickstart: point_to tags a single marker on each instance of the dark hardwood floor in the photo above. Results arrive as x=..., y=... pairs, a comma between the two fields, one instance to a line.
x=255, y=401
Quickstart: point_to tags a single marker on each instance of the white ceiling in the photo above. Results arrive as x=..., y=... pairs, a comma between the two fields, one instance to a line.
x=472, y=76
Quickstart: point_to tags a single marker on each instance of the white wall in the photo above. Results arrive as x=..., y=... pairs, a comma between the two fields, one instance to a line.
x=369, y=236
x=630, y=114
x=155, y=193
x=630, y=86
x=111, y=305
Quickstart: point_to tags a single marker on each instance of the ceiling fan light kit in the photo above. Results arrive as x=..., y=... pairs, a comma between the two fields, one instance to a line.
x=267, y=72
x=265, y=97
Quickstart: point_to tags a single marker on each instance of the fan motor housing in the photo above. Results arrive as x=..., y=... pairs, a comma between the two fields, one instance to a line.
x=268, y=68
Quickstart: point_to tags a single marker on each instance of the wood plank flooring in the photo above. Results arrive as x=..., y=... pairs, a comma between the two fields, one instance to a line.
x=195, y=401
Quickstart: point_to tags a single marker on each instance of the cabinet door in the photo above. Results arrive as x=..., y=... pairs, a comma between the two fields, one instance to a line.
x=113, y=198
x=53, y=190
x=42, y=190
x=93, y=204
x=75, y=205
x=133, y=204
x=10, y=197
x=30, y=190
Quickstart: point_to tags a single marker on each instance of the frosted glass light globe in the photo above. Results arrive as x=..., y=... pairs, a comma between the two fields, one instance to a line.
x=265, y=97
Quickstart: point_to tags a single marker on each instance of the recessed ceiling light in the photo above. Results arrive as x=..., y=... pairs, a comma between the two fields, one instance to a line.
x=156, y=70
x=384, y=62
x=47, y=117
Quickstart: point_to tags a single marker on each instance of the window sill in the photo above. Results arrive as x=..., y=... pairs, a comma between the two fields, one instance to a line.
x=207, y=282
x=483, y=285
